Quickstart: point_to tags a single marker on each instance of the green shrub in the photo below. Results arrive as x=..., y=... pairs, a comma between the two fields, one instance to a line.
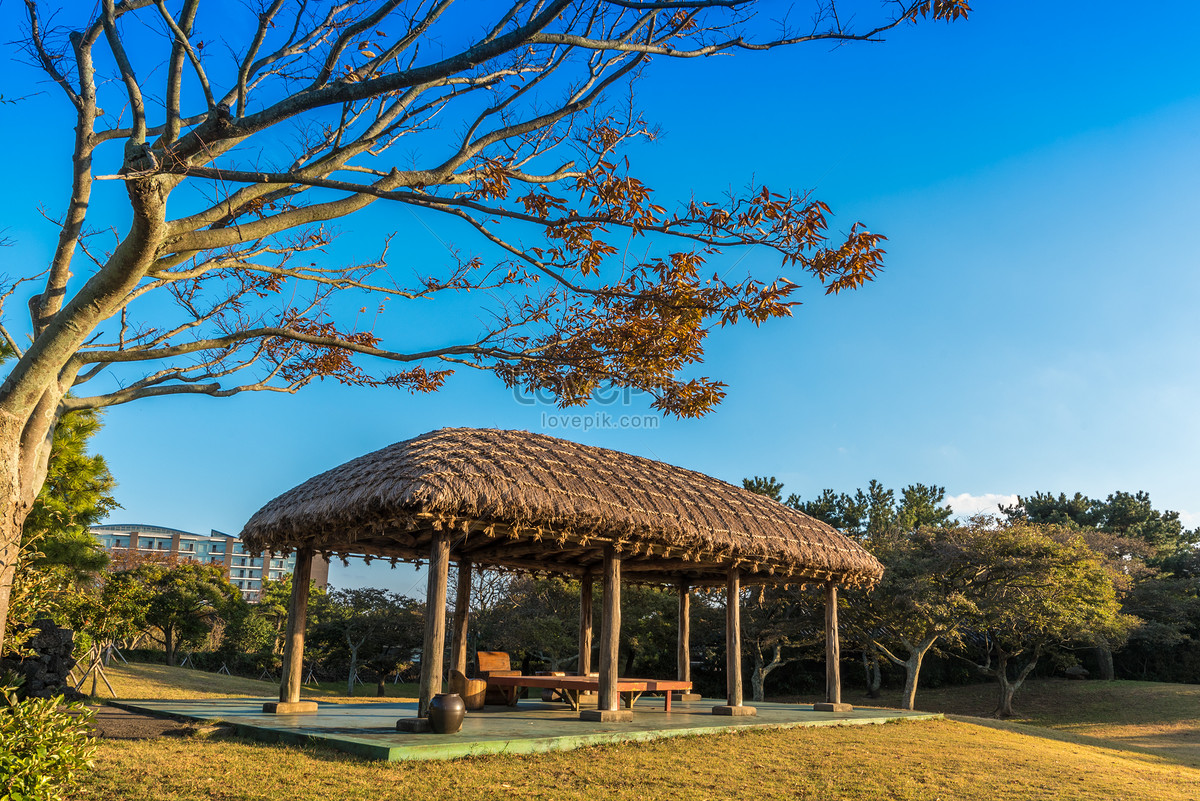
x=44, y=747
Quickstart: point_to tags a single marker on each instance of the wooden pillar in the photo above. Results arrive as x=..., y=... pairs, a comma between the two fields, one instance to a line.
x=610, y=630
x=293, y=641
x=435, y=621
x=683, y=648
x=833, y=656
x=462, y=607
x=733, y=638
x=609, y=706
x=733, y=648
x=585, y=623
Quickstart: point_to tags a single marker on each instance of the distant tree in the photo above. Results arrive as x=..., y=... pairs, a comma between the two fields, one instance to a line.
x=1131, y=516
x=272, y=608
x=396, y=642
x=1166, y=645
x=535, y=617
x=829, y=507
x=649, y=625
x=875, y=510
x=374, y=628
x=186, y=602
x=922, y=506
x=761, y=485
x=1139, y=542
x=780, y=625
x=1036, y=587
x=1078, y=511
x=921, y=601
x=912, y=608
x=247, y=634
x=102, y=612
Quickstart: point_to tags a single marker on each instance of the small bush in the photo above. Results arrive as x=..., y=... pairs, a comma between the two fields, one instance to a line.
x=44, y=747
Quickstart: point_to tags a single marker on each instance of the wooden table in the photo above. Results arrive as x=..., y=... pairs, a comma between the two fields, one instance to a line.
x=570, y=687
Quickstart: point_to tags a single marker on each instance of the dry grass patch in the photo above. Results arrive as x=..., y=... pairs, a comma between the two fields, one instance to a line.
x=1147, y=717
x=1144, y=717
x=1076, y=740
x=143, y=681
x=926, y=760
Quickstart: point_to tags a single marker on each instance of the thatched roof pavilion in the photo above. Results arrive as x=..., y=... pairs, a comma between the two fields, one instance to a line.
x=533, y=502
x=523, y=501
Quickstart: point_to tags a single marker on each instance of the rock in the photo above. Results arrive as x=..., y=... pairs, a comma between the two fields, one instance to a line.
x=45, y=670
x=1077, y=673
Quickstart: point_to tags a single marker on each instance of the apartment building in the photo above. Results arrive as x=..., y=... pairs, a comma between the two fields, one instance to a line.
x=245, y=571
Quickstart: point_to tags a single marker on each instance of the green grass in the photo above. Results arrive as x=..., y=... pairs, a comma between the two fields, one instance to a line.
x=1082, y=740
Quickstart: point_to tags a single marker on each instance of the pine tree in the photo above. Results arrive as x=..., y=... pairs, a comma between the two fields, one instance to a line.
x=77, y=495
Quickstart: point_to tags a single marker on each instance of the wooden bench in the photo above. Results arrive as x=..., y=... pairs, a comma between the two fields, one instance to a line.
x=489, y=665
x=569, y=687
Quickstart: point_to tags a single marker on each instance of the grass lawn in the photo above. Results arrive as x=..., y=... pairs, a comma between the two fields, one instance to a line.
x=1081, y=741
x=138, y=680
x=1142, y=716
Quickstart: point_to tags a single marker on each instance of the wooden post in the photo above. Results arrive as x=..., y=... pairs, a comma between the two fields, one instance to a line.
x=609, y=706
x=435, y=621
x=462, y=607
x=585, y=623
x=293, y=642
x=833, y=656
x=733, y=649
x=683, y=648
x=733, y=638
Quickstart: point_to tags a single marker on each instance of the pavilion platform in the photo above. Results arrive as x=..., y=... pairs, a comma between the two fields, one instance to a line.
x=368, y=730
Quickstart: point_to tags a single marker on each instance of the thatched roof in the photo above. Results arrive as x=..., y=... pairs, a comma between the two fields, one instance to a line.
x=533, y=502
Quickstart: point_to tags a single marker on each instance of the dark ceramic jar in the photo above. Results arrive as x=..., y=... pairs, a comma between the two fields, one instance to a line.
x=446, y=713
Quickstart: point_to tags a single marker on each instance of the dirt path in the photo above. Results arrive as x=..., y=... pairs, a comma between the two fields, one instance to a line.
x=121, y=724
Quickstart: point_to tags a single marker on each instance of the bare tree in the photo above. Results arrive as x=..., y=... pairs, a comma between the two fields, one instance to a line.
x=262, y=129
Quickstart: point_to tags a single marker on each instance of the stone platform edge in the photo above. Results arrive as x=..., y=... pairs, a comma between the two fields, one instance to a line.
x=518, y=745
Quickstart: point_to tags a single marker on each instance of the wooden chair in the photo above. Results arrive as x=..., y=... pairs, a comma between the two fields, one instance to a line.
x=494, y=663
x=471, y=690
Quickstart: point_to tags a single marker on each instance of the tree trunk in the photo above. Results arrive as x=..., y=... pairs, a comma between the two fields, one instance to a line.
x=762, y=669
x=17, y=471
x=9, y=546
x=912, y=671
x=758, y=676
x=1009, y=687
x=353, y=670
x=1004, y=708
x=169, y=645
x=379, y=690
x=630, y=656
x=1104, y=656
x=874, y=675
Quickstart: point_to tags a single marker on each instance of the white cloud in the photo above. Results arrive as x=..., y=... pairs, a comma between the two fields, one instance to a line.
x=1189, y=519
x=967, y=504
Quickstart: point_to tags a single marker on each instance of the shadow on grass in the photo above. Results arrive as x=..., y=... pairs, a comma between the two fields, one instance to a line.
x=1166, y=747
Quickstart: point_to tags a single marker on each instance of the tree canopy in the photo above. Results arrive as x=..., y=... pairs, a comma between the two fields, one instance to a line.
x=78, y=493
x=186, y=600
x=1035, y=587
x=231, y=163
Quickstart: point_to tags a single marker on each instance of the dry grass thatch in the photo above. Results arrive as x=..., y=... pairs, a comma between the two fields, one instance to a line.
x=529, y=501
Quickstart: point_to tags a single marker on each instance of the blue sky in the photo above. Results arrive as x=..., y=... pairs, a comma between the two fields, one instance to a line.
x=1035, y=170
